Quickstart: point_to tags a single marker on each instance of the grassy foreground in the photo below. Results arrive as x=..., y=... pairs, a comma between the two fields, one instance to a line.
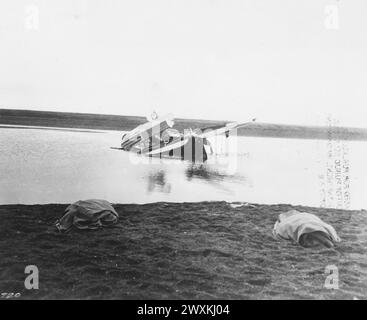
x=205, y=250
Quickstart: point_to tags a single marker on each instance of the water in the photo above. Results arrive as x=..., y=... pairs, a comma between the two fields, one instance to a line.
x=56, y=166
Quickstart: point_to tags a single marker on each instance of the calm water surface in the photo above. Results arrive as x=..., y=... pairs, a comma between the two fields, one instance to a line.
x=56, y=166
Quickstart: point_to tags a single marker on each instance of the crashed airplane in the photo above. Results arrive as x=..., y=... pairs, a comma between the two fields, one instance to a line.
x=158, y=138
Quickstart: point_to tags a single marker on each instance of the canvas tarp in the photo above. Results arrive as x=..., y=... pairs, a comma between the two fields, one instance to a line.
x=301, y=227
x=87, y=214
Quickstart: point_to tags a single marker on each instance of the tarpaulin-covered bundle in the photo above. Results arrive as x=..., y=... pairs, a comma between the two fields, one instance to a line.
x=87, y=214
x=304, y=228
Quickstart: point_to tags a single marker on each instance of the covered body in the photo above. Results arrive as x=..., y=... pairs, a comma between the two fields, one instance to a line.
x=305, y=229
x=87, y=214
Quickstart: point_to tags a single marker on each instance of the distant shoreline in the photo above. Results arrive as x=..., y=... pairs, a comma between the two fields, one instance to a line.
x=67, y=120
x=16, y=126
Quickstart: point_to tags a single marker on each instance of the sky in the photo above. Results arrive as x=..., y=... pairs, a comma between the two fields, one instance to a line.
x=284, y=61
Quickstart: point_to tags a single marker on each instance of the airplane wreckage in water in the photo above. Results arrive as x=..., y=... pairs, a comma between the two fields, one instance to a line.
x=158, y=138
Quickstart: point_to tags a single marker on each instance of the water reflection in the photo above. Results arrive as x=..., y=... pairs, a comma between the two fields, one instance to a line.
x=69, y=166
x=210, y=174
x=157, y=181
x=158, y=178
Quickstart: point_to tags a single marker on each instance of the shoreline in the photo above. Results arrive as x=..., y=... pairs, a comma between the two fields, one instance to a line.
x=15, y=126
x=48, y=119
x=164, y=250
x=232, y=204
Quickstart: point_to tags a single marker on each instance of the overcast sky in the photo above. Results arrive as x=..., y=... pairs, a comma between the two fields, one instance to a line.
x=280, y=61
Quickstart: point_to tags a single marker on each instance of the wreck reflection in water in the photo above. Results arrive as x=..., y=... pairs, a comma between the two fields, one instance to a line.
x=157, y=182
x=158, y=179
x=55, y=166
x=210, y=174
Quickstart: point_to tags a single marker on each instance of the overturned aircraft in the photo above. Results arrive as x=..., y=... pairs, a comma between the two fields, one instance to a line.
x=158, y=138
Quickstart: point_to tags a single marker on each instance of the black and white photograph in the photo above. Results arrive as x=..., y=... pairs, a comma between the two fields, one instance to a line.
x=180, y=150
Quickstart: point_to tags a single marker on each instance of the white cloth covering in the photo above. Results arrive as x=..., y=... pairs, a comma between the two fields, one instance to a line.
x=304, y=228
